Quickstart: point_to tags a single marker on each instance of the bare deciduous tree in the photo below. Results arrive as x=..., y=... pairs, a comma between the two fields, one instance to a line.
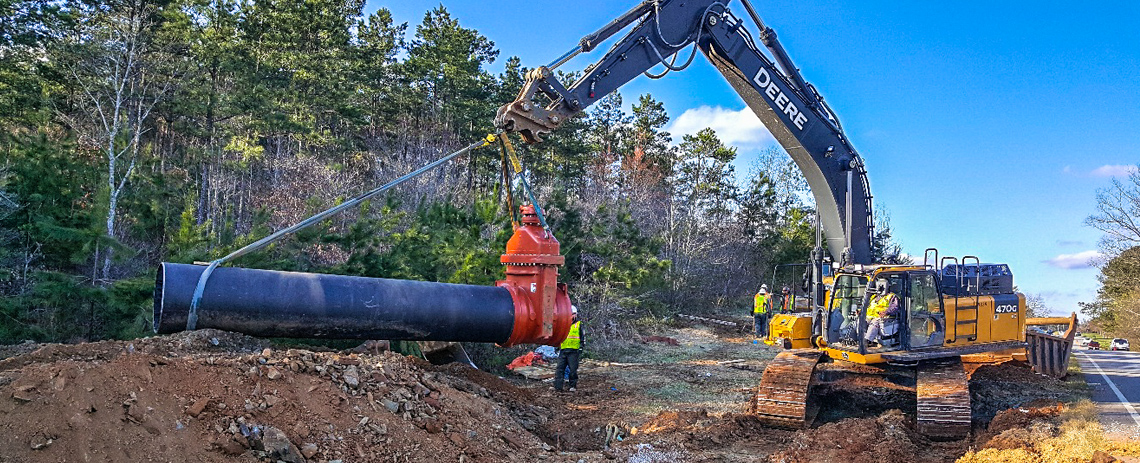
x=1036, y=306
x=1118, y=214
x=121, y=76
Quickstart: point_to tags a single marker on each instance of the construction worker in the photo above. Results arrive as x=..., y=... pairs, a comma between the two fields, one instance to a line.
x=760, y=307
x=787, y=300
x=882, y=309
x=568, y=355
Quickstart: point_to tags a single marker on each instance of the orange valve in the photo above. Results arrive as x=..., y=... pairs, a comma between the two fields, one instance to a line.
x=542, y=306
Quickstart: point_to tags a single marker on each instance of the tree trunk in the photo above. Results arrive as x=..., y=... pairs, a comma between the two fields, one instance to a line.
x=113, y=205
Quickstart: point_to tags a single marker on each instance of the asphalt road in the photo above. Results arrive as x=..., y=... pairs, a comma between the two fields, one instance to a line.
x=1115, y=379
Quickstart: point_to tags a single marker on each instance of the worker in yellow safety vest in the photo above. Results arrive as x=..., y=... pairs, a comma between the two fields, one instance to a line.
x=569, y=353
x=761, y=305
x=883, y=308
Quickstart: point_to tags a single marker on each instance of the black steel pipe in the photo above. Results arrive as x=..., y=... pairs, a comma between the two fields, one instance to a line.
x=309, y=305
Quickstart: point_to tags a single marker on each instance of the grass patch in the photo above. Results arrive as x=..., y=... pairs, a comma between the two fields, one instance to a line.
x=1072, y=436
x=673, y=392
x=1074, y=365
x=651, y=324
x=1081, y=410
x=1075, y=381
x=1078, y=439
x=647, y=409
x=1124, y=449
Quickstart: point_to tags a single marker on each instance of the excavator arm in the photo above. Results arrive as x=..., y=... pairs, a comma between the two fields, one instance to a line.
x=791, y=109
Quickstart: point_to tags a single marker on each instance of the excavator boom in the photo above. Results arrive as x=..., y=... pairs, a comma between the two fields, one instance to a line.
x=791, y=109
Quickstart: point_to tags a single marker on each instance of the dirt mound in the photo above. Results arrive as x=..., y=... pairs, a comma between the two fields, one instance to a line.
x=217, y=397
x=1019, y=428
x=186, y=343
x=1021, y=417
x=1012, y=384
x=701, y=437
x=1047, y=433
x=489, y=382
x=1010, y=370
x=13, y=350
x=673, y=420
x=214, y=396
x=889, y=437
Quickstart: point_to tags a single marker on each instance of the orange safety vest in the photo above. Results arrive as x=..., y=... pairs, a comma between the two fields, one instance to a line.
x=574, y=338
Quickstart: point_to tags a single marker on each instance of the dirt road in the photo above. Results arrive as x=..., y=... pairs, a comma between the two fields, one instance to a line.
x=1115, y=379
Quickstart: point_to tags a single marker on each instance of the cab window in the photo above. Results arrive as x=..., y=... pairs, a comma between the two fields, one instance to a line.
x=924, y=298
x=843, y=318
x=848, y=293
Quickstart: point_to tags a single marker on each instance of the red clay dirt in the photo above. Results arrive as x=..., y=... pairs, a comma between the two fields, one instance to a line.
x=1023, y=422
x=212, y=396
x=127, y=401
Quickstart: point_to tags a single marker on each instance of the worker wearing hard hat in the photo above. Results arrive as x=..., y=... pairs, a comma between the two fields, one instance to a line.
x=568, y=355
x=881, y=312
x=787, y=300
x=760, y=306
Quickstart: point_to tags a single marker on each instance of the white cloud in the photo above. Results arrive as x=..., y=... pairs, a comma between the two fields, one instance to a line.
x=735, y=128
x=1079, y=260
x=1111, y=170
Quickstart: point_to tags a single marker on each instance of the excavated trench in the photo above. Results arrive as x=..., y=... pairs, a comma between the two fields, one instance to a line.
x=858, y=391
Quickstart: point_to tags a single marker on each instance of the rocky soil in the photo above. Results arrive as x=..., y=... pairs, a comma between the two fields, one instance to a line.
x=212, y=396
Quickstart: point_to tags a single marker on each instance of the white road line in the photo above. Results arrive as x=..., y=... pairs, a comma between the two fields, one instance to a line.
x=1119, y=395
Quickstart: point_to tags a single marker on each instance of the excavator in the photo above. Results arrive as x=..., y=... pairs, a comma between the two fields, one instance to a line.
x=948, y=307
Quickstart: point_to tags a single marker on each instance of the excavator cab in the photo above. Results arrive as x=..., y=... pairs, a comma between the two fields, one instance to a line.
x=849, y=322
x=919, y=322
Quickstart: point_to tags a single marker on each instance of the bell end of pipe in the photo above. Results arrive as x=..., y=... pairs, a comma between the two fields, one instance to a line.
x=156, y=314
x=528, y=319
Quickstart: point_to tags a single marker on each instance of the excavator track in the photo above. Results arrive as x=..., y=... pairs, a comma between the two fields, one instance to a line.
x=943, y=399
x=782, y=399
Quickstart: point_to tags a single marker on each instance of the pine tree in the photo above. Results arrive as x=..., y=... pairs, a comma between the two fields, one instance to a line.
x=445, y=63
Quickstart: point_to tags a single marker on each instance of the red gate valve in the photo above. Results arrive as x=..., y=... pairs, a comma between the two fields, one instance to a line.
x=542, y=306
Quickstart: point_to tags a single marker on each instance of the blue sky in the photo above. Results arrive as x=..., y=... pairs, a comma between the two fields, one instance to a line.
x=986, y=127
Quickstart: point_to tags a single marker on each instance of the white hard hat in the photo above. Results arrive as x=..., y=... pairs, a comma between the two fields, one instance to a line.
x=574, y=310
x=763, y=290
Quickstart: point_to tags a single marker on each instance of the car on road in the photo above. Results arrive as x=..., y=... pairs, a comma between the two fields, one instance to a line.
x=1094, y=345
x=1082, y=341
x=1119, y=344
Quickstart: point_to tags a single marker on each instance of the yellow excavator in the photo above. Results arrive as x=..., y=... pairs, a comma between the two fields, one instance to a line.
x=943, y=309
